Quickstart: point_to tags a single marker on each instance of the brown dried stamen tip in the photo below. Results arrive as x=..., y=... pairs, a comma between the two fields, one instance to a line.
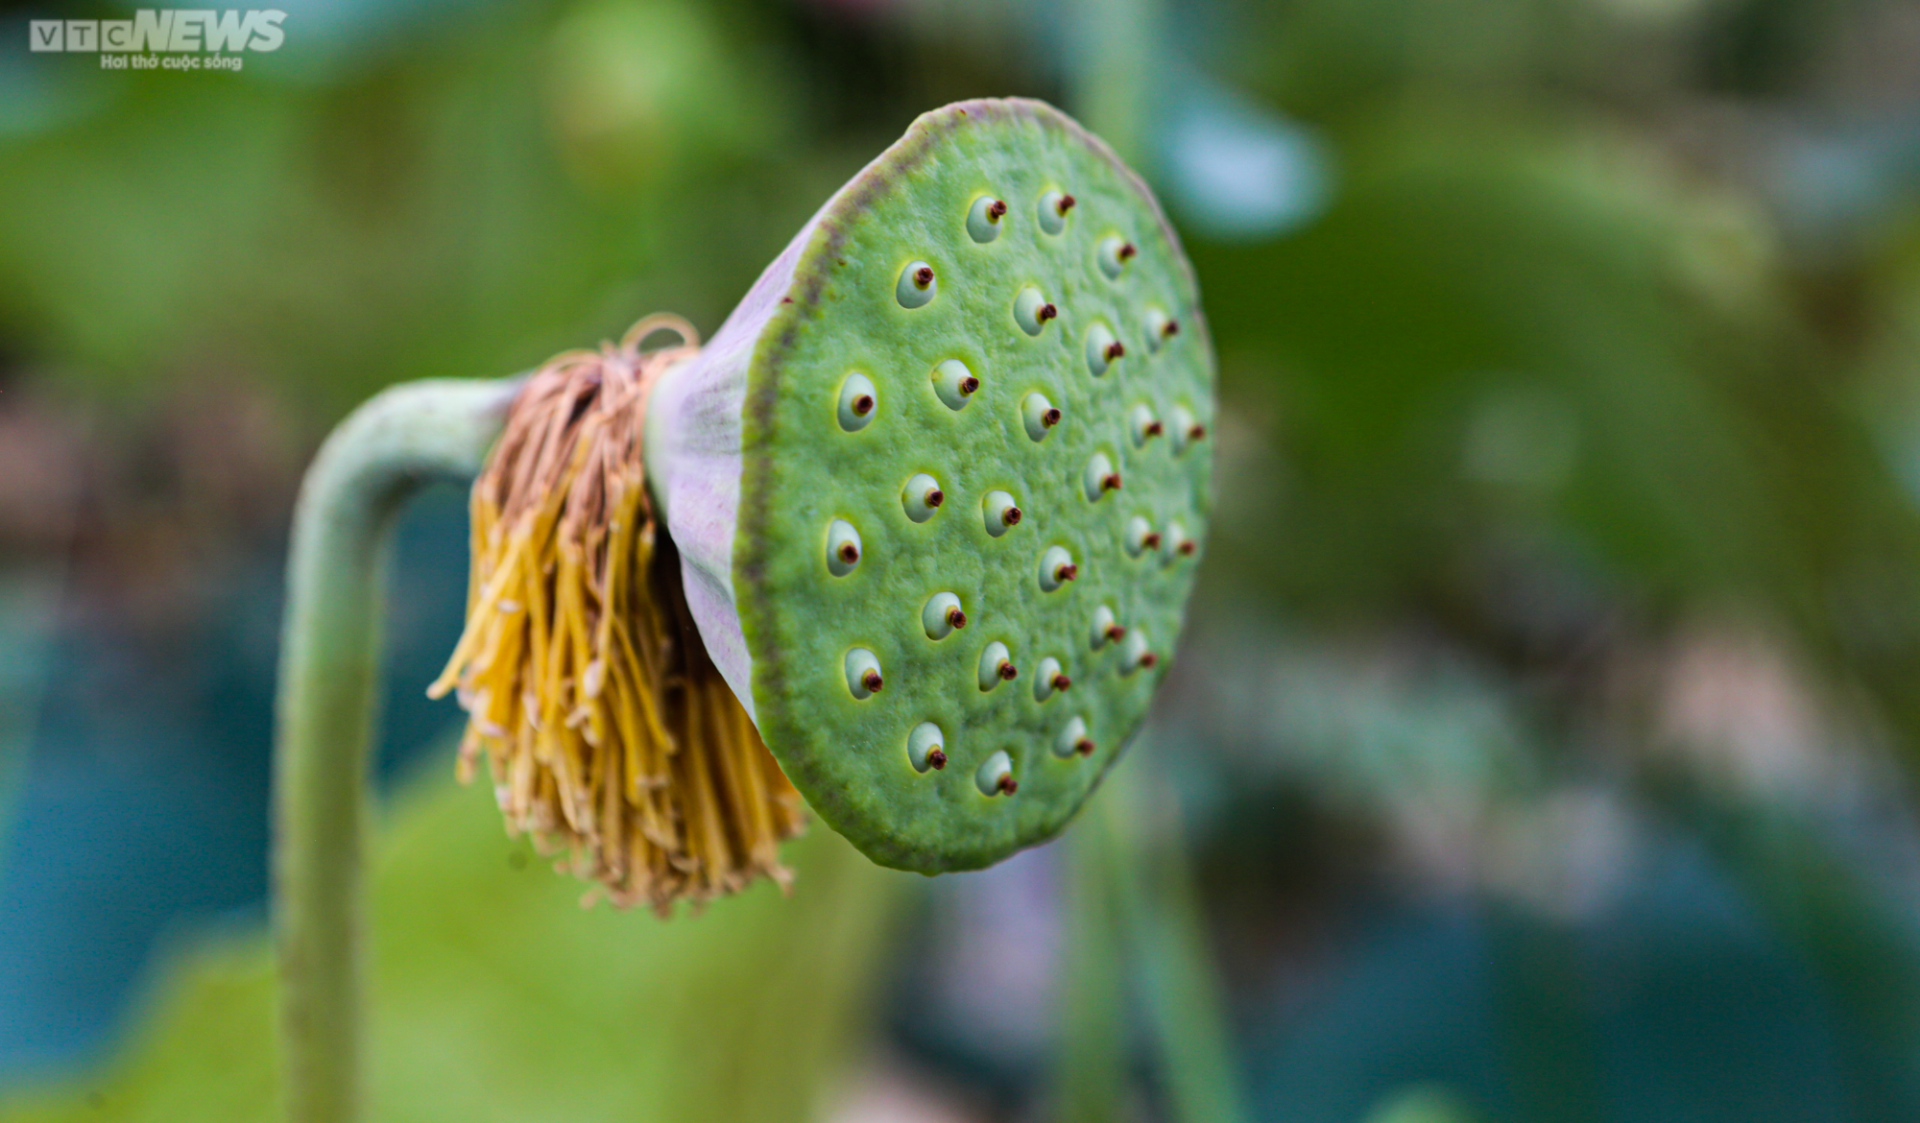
x=923, y=276
x=996, y=210
x=1154, y=428
x=969, y=384
x=956, y=618
x=1011, y=516
x=849, y=553
x=1066, y=572
x=1115, y=350
x=863, y=405
x=1008, y=671
x=1172, y=328
x=1047, y=312
x=935, y=497
x=1084, y=746
x=1110, y=482
x=1198, y=432
x=1065, y=204
x=1186, y=548
x=1061, y=682
x=1151, y=541
x=1050, y=418
x=1148, y=659
x=1008, y=785
x=1115, y=632
x=937, y=758
x=1127, y=250
x=871, y=680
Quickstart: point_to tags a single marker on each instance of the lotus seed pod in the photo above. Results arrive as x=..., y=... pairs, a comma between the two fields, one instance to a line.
x=752, y=463
x=942, y=616
x=926, y=747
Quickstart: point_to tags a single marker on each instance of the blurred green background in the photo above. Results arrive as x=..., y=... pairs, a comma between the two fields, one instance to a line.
x=1543, y=742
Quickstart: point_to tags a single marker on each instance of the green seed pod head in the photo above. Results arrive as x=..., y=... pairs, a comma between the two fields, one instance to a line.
x=765, y=471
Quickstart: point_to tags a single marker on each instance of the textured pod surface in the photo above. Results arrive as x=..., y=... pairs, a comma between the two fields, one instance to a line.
x=832, y=309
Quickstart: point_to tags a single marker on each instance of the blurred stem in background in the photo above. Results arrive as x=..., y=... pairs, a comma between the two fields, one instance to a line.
x=1133, y=905
x=397, y=444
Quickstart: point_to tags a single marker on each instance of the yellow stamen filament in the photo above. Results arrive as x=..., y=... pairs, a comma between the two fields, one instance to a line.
x=609, y=732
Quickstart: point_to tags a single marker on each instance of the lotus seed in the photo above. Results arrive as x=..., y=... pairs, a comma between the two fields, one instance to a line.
x=857, y=400
x=983, y=219
x=1072, y=739
x=1001, y=514
x=1102, y=349
x=926, y=747
x=917, y=286
x=1141, y=536
x=863, y=673
x=1178, y=544
x=1105, y=628
x=1050, y=681
x=996, y=775
x=1053, y=211
x=1056, y=568
x=1114, y=255
x=1040, y=415
x=1032, y=310
x=1100, y=476
x=954, y=383
x=1156, y=325
x=1134, y=653
x=921, y=497
x=996, y=666
x=1186, y=430
x=843, y=547
x=942, y=615
x=1144, y=424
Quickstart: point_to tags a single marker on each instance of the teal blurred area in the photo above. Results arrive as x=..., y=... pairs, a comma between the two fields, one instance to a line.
x=1543, y=742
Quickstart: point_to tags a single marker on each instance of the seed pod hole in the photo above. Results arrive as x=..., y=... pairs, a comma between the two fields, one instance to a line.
x=995, y=776
x=863, y=673
x=1052, y=211
x=1050, y=680
x=917, y=285
x=927, y=747
x=1106, y=629
x=922, y=497
x=1056, y=568
x=1032, y=310
x=1114, y=254
x=1158, y=328
x=1135, y=654
x=1102, y=349
x=983, y=218
x=1039, y=414
x=843, y=547
x=1140, y=536
x=996, y=666
x=955, y=384
x=1000, y=513
x=1176, y=544
x=1144, y=424
x=1100, y=476
x=1072, y=740
x=858, y=400
x=942, y=615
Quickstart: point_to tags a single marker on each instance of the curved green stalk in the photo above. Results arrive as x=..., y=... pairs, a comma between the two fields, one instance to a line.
x=390, y=448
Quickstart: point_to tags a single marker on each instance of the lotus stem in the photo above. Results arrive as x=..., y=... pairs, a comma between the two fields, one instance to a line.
x=386, y=452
